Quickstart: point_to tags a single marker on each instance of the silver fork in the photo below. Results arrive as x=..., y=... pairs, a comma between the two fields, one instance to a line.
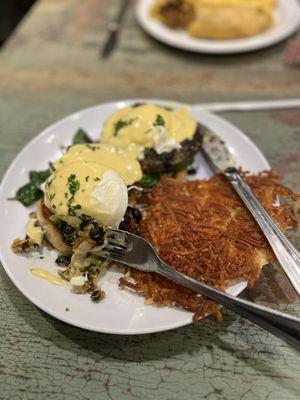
x=132, y=250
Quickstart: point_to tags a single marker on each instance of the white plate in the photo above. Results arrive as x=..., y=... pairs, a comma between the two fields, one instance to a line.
x=121, y=312
x=287, y=21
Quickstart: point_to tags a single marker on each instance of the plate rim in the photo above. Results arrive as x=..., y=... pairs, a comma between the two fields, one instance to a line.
x=42, y=134
x=205, y=46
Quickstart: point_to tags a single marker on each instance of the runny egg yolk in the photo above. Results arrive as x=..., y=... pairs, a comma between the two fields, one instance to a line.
x=81, y=189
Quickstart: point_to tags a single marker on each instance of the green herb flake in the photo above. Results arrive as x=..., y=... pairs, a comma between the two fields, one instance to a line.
x=92, y=147
x=159, y=121
x=72, y=209
x=74, y=184
x=122, y=124
x=52, y=195
x=84, y=216
x=97, y=179
x=87, y=178
x=49, y=182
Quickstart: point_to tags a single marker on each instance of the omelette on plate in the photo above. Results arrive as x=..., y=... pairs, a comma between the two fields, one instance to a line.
x=216, y=19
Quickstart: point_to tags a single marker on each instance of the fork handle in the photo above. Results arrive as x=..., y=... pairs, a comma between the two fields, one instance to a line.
x=285, y=252
x=280, y=324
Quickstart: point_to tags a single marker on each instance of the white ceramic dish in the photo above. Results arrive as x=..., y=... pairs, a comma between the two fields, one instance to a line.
x=120, y=312
x=287, y=21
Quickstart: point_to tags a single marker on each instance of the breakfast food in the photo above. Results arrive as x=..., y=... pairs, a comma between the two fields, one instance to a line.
x=203, y=230
x=115, y=158
x=86, y=189
x=199, y=227
x=216, y=19
x=162, y=139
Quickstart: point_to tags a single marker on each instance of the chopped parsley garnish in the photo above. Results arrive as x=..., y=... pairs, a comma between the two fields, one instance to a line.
x=84, y=217
x=92, y=147
x=96, y=179
x=159, y=121
x=49, y=182
x=72, y=209
x=53, y=206
x=122, y=123
x=52, y=195
x=74, y=184
x=87, y=178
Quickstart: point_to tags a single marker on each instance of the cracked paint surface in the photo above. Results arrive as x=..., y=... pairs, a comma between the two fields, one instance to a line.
x=51, y=68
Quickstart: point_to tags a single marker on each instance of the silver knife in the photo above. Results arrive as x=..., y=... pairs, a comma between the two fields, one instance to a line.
x=220, y=157
x=114, y=29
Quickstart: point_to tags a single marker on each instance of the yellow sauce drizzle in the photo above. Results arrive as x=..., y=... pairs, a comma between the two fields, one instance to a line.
x=135, y=131
x=42, y=273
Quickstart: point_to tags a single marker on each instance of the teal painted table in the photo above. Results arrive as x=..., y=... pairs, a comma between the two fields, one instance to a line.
x=51, y=68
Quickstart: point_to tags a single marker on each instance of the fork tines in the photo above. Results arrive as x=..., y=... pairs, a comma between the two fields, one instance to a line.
x=116, y=241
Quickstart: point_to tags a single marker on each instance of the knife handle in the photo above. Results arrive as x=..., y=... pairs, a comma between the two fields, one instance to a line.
x=285, y=252
x=113, y=30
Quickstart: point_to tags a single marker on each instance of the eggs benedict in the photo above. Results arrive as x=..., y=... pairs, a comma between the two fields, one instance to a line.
x=80, y=190
x=120, y=160
x=162, y=139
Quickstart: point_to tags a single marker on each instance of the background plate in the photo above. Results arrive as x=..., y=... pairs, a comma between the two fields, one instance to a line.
x=287, y=21
x=121, y=312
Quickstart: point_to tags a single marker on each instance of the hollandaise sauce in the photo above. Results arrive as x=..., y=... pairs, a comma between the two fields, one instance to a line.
x=134, y=128
x=42, y=273
x=86, y=189
x=120, y=160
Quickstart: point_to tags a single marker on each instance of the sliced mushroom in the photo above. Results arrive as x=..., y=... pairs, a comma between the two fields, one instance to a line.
x=24, y=246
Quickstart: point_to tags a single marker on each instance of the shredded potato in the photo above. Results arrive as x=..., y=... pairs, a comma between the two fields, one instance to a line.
x=202, y=229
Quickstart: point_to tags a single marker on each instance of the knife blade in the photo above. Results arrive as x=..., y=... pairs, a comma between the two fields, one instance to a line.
x=113, y=30
x=219, y=155
x=216, y=152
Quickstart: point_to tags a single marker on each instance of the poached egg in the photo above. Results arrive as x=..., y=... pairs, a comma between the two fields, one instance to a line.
x=148, y=126
x=83, y=189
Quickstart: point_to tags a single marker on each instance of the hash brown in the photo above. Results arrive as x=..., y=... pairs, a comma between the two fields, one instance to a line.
x=202, y=229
